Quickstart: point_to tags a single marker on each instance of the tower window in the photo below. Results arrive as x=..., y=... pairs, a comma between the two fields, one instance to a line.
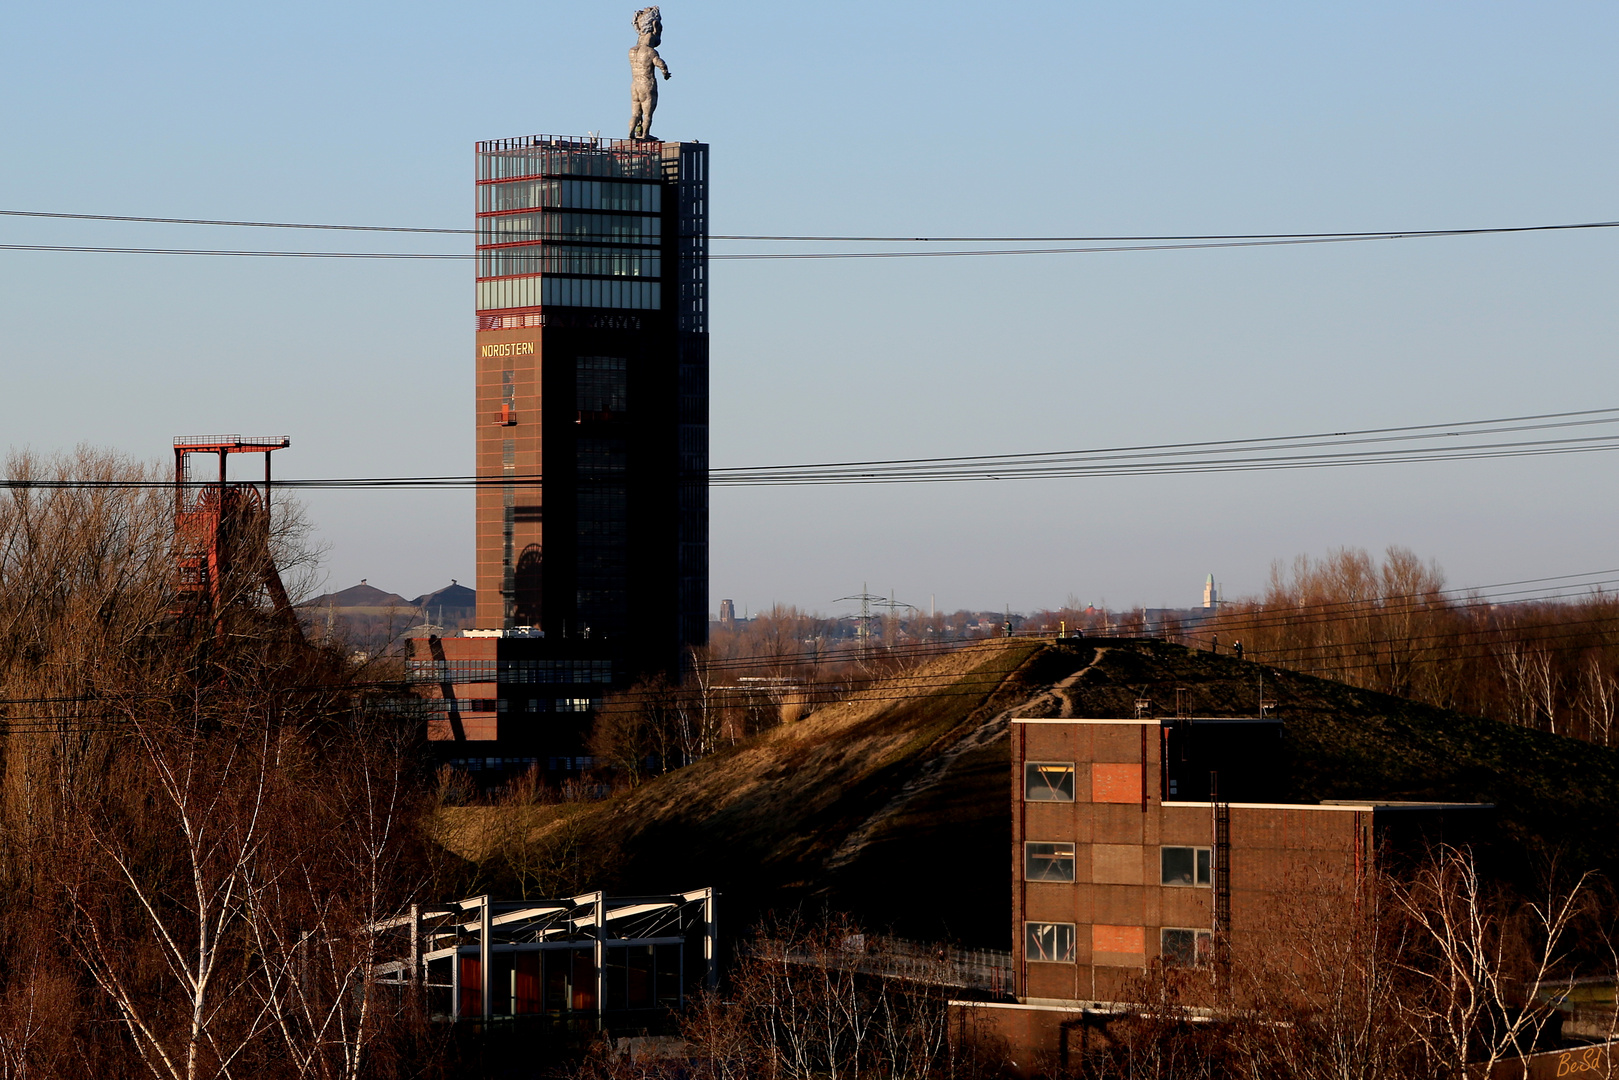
x=601, y=384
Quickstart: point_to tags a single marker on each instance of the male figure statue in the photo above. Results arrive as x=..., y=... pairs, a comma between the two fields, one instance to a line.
x=644, y=84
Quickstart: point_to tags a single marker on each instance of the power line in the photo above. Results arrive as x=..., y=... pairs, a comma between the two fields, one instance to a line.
x=1342, y=234
x=244, y=254
x=1468, y=440
x=777, y=255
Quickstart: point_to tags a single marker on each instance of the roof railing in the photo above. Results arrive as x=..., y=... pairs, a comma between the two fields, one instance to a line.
x=652, y=147
x=245, y=441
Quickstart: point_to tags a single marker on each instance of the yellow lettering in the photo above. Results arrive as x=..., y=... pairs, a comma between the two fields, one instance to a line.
x=1564, y=1061
x=509, y=348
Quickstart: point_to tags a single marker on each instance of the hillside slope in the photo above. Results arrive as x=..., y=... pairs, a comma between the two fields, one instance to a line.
x=894, y=805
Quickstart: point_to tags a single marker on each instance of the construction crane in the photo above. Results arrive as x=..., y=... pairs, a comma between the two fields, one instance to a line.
x=222, y=530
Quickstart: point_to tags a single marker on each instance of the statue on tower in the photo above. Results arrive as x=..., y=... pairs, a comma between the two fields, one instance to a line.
x=643, y=82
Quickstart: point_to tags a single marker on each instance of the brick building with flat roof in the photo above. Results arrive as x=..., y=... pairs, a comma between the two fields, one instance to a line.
x=1140, y=844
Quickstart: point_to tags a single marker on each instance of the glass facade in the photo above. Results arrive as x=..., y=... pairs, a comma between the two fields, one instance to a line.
x=563, y=223
x=570, y=195
x=539, y=290
x=569, y=259
x=604, y=228
x=508, y=159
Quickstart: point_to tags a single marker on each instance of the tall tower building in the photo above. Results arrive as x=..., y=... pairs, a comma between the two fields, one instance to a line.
x=592, y=431
x=592, y=391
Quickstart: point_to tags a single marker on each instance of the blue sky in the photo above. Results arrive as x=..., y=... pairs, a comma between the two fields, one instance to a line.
x=1031, y=118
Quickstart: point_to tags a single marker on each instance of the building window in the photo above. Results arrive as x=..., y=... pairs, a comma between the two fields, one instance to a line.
x=1185, y=948
x=1184, y=865
x=1048, y=781
x=600, y=228
x=601, y=384
x=570, y=194
x=570, y=259
x=1046, y=942
x=1048, y=862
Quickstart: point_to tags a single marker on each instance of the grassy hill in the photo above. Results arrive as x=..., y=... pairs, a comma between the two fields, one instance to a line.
x=894, y=805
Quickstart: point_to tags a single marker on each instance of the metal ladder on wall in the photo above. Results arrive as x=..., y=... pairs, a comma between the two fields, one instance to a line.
x=1221, y=812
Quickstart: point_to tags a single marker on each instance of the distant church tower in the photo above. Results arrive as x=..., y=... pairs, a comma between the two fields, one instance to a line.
x=1211, y=597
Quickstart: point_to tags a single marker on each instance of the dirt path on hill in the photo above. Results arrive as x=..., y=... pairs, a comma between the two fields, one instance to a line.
x=935, y=770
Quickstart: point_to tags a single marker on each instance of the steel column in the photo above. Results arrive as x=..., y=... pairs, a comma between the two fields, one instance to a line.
x=486, y=933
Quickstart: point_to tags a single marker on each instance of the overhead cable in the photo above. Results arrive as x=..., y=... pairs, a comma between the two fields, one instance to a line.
x=1342, y=234
x=1581, y=431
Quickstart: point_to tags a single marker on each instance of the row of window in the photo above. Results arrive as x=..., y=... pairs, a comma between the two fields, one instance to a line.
x=499, y=705
x=542, y=291
x=1053, y=943
x=570, y=195
x=549, y=225
x=477, y=763
x=510, y=671
x=569, y=259
x=568, y=161
x=1054, y=861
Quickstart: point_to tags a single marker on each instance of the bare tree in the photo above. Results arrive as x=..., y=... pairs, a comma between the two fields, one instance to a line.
x=1477, y=968
x=1598, y=698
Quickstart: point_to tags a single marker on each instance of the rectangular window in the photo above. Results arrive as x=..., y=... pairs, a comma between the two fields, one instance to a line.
x=1051, y=943
x=590, y=292
x=1048, y=862
x=1184, y=865
x=601, y=385
x=1185, y=948
x=1048, y=781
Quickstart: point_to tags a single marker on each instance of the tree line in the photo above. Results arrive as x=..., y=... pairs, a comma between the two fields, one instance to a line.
x=1390, y=625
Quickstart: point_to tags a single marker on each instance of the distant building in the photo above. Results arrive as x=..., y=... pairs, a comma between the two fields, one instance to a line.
x=727, y=613
x=1211, y=594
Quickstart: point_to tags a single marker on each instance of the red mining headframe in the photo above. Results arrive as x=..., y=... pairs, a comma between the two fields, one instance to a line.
x=221, y=529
